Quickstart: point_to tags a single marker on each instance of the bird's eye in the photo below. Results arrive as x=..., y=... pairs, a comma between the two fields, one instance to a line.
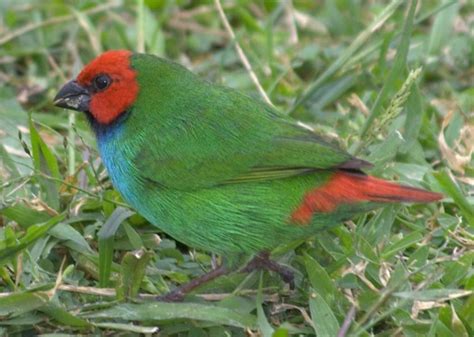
x=101, y=82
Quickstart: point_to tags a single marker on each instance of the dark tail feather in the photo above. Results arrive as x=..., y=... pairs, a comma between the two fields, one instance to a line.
x=380, y=190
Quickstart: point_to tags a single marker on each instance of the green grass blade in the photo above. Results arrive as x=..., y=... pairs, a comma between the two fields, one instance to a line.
x=443, y=27
x=320, y=280
x=141, y=26
x=397, y=71
x=358, y=42
x=7, y=163
x=146, y=330
x=64, y=317
x=400, y=245
x=452, y=189
x=33, y=233
x=414, y=112
x=23, y=215
x=45, y=162
x=21, y=303
x=106, y=242
x=73, y=238
x=134, y=238
x=158, y=311
x=264, y=326
x=434, y=294
x=324, y=320
x=132, y=273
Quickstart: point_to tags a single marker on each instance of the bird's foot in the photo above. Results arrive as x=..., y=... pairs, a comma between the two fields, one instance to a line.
x=263, y=261
x=177, y=295
x=173, y=296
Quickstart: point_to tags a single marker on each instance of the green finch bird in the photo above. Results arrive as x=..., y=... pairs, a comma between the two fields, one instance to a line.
x=214, y=168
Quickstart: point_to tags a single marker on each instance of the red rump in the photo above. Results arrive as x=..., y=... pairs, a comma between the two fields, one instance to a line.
x=107, y=105
x=349, y=188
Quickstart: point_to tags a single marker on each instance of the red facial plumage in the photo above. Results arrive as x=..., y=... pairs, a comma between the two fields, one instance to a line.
x=107, y=105
x=348, y=188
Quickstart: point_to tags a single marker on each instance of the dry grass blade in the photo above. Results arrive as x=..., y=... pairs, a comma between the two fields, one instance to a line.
x=54, y=21
x=459, y=156
x=241, y=53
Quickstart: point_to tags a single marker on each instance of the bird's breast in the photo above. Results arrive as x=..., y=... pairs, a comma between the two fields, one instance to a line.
x=116, y=154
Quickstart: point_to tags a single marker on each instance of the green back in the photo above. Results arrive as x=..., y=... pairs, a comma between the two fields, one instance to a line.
x=202, y=134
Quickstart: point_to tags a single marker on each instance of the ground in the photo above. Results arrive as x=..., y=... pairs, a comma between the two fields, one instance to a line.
x=393, y=82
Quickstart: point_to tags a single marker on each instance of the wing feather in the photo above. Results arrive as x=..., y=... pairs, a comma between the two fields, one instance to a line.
x=208, y=135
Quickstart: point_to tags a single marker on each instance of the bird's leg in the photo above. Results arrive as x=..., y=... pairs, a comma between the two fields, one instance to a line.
x=259, y=262
x=178, y=294
x=263, y=261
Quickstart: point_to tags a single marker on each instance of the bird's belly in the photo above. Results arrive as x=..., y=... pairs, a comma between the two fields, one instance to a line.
x=240, y=218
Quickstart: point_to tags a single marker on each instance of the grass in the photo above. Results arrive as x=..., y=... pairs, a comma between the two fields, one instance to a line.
x=393, y=80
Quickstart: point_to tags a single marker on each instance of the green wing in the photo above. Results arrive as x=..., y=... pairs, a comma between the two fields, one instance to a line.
x=208, y=135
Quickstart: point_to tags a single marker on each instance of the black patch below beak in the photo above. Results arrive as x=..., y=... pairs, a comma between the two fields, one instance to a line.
x=73, y=96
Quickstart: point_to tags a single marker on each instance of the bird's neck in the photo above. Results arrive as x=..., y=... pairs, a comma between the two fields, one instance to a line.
x=103, y=131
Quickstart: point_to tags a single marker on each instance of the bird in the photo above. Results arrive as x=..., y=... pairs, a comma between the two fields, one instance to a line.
x=216, y=169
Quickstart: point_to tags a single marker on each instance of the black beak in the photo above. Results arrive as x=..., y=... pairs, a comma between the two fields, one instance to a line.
x=73, y=96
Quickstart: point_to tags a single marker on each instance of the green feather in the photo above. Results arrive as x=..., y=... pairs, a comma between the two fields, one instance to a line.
x=214, y=168
x=205, y=135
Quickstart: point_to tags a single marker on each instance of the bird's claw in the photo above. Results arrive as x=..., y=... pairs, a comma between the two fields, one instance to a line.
x=263, y=261
x=173, y=296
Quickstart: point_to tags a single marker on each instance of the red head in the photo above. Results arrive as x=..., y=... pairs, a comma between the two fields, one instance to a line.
x=105, y=88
